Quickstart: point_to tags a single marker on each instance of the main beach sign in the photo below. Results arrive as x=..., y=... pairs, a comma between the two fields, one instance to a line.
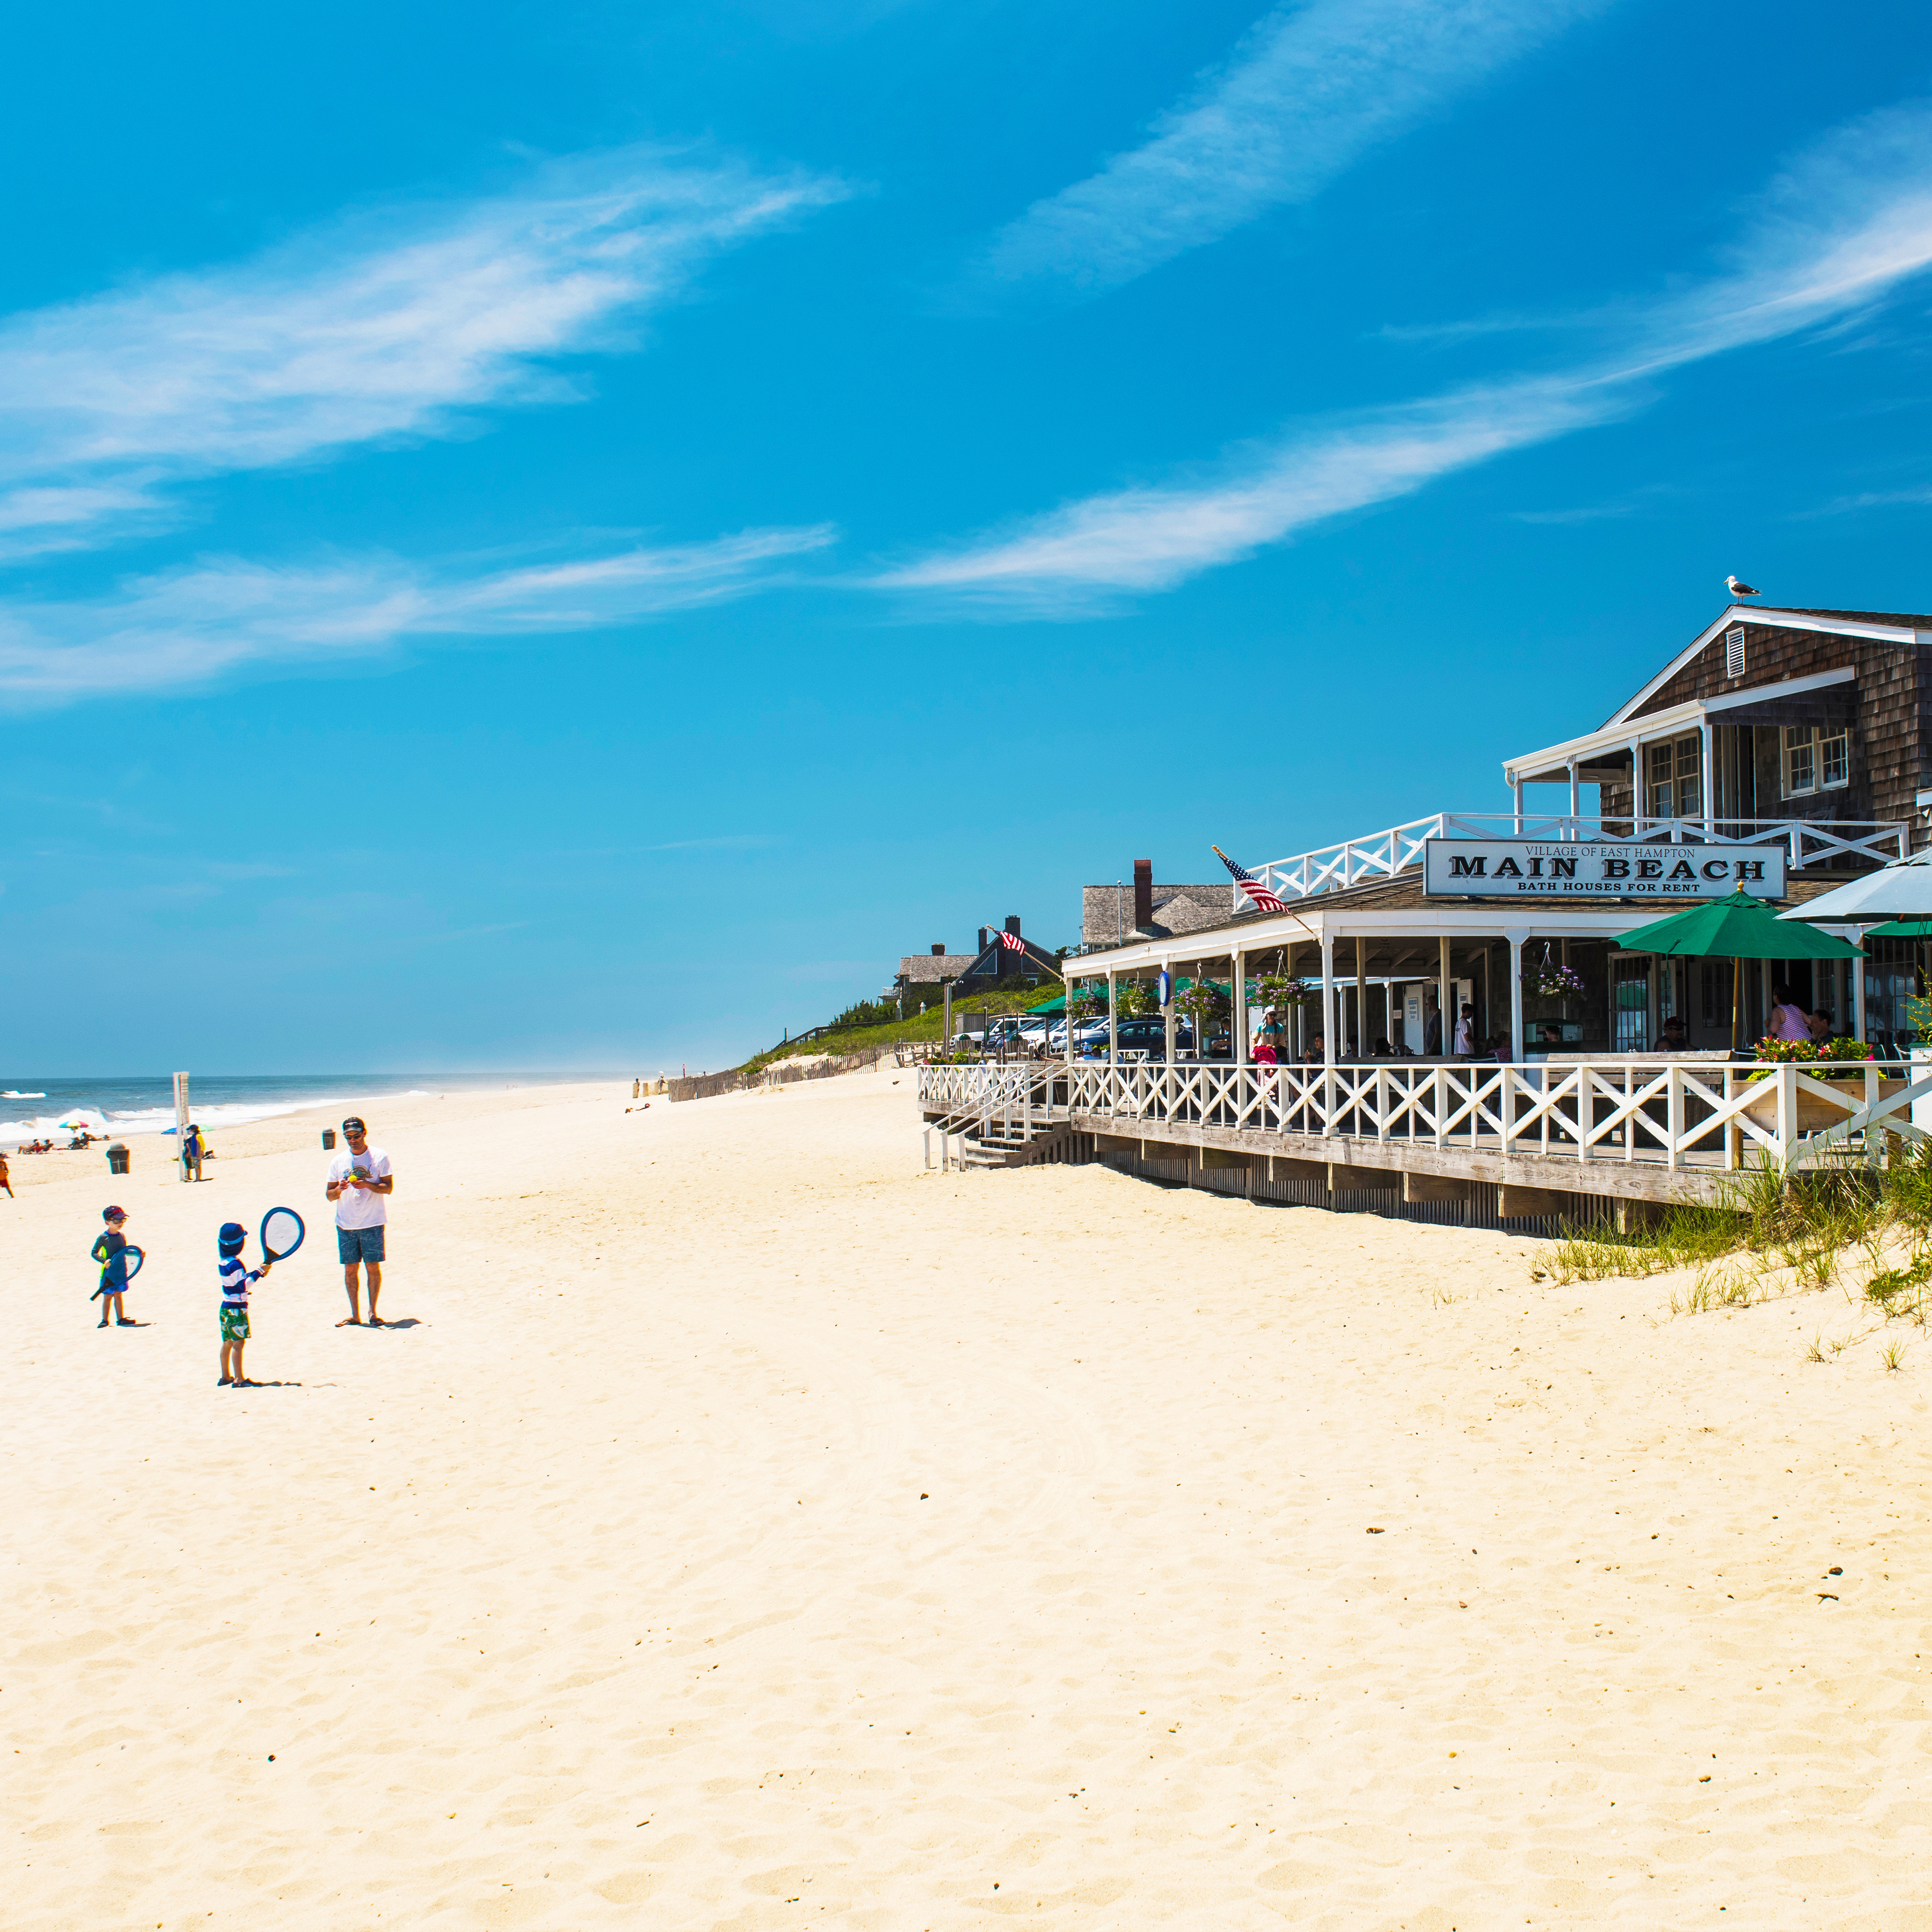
x=1493, y=869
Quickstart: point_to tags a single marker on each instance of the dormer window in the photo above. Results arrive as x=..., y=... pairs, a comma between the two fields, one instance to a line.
x=1817, y=758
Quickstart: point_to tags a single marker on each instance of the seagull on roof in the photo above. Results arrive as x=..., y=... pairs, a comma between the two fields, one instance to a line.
x=1738, y=589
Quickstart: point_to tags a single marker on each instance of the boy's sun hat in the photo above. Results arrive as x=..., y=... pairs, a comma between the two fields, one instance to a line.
x=114, y=1213
x=232, y=1236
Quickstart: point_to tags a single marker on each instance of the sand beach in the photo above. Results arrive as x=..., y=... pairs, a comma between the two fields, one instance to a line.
x=741, y=1527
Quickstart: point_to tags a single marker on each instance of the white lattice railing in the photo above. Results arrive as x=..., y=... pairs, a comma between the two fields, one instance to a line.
x=1673, y=1114
x=1810, y=841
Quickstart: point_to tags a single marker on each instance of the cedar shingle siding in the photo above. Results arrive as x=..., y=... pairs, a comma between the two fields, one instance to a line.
x=1889, y=704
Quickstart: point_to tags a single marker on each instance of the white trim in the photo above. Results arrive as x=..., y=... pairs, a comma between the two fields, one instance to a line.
x=1556, y=759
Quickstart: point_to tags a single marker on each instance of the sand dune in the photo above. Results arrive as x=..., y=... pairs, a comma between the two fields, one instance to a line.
x=748, y=1530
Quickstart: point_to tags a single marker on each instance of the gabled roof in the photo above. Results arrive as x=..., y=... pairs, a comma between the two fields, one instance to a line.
x=1900, y=627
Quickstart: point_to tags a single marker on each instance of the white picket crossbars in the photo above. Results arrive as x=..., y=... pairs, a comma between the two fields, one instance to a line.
x=1382, y=855
x=1672, y=1114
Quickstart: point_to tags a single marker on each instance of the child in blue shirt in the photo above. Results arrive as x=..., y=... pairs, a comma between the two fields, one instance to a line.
x=235, y=1278
x=107, y=1250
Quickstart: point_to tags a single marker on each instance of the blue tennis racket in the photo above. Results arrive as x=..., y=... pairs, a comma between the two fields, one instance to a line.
x=128, y=1261
x=282, y=1232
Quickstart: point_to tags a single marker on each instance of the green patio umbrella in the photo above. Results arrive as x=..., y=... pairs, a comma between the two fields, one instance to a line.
x=1058, y=1004
x=1901, y=928
x=1736, y=929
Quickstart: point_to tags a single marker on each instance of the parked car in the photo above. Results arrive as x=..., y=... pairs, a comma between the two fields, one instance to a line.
x=1145, y=1035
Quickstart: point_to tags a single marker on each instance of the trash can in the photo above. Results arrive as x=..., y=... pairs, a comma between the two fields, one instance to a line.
x=328, y=1137
x=117, y=1158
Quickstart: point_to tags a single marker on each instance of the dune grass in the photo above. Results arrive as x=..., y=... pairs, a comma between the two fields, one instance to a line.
x=1772, y=1232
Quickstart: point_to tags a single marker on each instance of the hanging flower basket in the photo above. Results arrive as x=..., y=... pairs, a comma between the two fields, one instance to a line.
x=1276, y=989
x=1547, y=980
x=1202, y=1003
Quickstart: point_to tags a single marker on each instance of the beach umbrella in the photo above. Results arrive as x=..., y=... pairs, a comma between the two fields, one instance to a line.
x=1901, y=928
x=1736, y=929
x=1900, y=890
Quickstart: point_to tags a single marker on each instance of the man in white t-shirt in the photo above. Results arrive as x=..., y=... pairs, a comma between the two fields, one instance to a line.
x=360, y=1184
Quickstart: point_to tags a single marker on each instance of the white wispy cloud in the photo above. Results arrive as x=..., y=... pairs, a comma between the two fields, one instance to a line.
x=1840, y=231
x=192, y=626
x=393, y=323
x=1306, y=93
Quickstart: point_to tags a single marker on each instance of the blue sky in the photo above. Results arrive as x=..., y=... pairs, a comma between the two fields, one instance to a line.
x=571, y=537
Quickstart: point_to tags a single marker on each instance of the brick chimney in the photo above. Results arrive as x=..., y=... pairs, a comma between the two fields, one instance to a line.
x=939, y=946
x=1143, y=894
x=1013, y=924
x=985, y=934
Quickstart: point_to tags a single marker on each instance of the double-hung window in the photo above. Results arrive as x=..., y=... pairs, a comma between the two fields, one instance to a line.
x=1817, y=758
x=1674, y=779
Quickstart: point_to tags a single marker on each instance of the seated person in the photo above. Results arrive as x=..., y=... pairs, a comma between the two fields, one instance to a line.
x=1821, y=1026
x=1674, y=1036
x=1317, y=1051
x=1381, y=1049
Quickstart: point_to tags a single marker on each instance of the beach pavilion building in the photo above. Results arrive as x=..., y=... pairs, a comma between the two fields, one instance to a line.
x=1781, y=751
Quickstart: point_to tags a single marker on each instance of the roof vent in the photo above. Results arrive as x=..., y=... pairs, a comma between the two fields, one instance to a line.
x=1734, y=652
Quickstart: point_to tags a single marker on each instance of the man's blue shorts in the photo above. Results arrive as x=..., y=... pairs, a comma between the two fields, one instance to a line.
x=359, y=1244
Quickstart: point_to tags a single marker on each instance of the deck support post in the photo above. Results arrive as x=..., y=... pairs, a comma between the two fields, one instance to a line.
x=1327, y=1000
x=1444, y=997
x=1237, y=1008
x=1361, y=998
x=1516, y=943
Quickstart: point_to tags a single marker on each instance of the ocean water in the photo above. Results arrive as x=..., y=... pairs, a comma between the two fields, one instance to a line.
x=33, y=1109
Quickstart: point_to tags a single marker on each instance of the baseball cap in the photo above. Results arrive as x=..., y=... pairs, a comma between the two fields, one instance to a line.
x=114, y=1213
x=354, y=1124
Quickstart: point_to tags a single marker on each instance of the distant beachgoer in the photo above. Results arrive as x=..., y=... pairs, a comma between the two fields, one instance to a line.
x=1789, y=1020
x=235, y=1278
x=192, y=1150
x=1466, y=1032
x=107, y=1250
x=4, y=1182
x=359, y=1183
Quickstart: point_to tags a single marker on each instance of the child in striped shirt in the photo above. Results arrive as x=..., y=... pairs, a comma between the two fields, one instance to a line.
x=235, y=1279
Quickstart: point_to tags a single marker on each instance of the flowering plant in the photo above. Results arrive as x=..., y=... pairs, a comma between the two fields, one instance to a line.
x=1202, y=1002
x=1845, y=1048
x=1276, y=989
x=1085, y=1000
x=1770, y=1048
x=1546, y=979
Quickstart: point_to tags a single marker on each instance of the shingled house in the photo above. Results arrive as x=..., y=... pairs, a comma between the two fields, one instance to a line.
x=1026, y=964
x=1770, y=715
x=1111, y=914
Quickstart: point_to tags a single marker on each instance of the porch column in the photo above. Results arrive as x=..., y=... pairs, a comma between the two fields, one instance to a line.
x=1167, y=1013
x=1327, y=1000
x=1113, y=1020
x=1858, y=939
x=1444, y=997
x=1516, y=786
x=1070, y=980
x=1708, y=799
x=1361, y=998
x=1237, y=1009
x=1516, y=944
x=1576, y=799
x=1636, y=787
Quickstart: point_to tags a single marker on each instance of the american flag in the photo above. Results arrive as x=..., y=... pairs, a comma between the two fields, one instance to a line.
x=1265, y=897
x=1011, y=941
